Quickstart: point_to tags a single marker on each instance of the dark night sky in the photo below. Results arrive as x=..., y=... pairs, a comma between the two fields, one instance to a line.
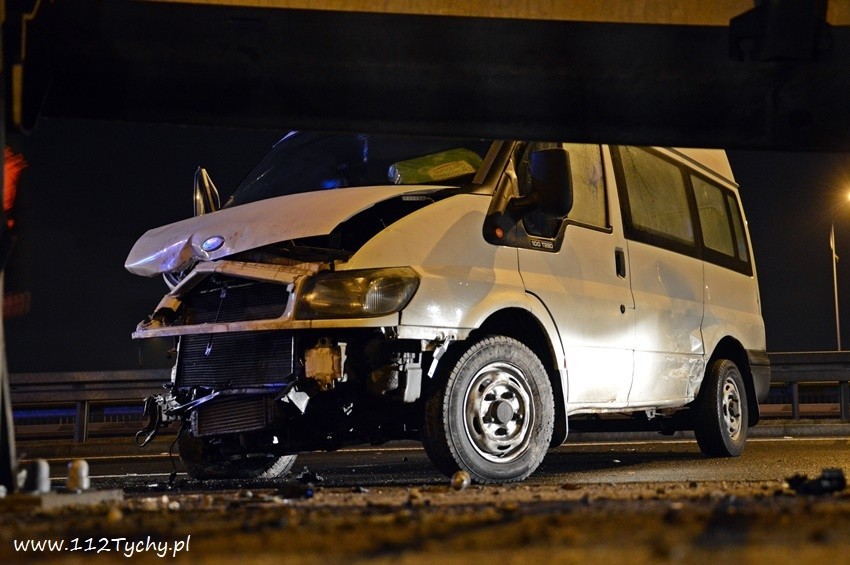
x=790, y=200
x=93, y=188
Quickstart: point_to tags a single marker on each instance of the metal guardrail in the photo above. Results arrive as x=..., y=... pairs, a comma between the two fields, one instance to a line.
x=793, y=369
x=82, y=389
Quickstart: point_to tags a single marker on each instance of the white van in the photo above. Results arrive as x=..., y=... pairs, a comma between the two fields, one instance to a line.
x=471, y=294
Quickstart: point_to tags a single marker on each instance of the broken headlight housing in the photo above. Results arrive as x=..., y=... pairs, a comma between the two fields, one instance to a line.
x=356, y=294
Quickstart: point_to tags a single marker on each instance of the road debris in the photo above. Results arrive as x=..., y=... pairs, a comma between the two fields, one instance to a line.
x=78, y=476
x=307, y=476
x=415, y=498
x=37, y=477
x=293, y=489
x=830, y=481
x=461, y=480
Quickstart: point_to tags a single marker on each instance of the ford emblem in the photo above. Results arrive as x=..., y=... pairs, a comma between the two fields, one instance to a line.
x=212, y=243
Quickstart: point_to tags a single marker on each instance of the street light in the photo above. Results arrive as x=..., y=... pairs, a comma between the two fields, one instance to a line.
x=835, y=279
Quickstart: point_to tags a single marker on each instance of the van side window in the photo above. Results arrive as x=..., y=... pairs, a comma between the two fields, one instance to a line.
x=722, y=226
x=657, y=198
x=588, y=180
x=588, y=185
x=713, y=219
x=738, y=226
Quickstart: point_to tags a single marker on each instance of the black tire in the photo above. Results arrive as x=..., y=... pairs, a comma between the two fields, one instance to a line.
x=491, y=413
x=203, y=461
x=720, y=411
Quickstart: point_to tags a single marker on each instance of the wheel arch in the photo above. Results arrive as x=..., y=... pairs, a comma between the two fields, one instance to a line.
x=525, y=327
x=731, y=349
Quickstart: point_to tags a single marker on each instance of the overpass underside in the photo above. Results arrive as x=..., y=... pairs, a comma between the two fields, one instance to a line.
x=777, y=76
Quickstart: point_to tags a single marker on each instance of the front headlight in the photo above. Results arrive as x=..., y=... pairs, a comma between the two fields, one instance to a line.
x=356, y=294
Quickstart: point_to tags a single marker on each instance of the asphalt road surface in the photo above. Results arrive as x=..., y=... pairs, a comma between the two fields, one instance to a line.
x=590, y=502
x=588, y=462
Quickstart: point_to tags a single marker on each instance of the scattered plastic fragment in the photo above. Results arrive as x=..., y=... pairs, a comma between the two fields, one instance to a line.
x=20, y=478
x=830, y=480
x=308, y=476
x=296, y=490
x=461, y=480
x=415, y=498
x=38, y=477
x=114, y=515
x=78, y=475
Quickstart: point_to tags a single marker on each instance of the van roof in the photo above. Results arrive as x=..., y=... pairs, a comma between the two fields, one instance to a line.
x=711, y=160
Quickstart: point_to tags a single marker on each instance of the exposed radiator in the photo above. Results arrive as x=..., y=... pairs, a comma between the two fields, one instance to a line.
x=233, y=415
x=235, y=360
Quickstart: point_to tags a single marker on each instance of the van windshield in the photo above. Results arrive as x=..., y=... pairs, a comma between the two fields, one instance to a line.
x=309, y=161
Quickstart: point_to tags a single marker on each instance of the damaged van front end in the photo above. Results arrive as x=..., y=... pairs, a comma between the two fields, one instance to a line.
x=283, y=342
x=257, y=341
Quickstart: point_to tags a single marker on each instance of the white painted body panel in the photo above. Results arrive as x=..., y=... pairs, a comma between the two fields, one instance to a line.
x=669, y=349
x=168, y=248
x=712, y=161
x=463, y=278
x=731, y=308
x=580, y=287
x=593, y=307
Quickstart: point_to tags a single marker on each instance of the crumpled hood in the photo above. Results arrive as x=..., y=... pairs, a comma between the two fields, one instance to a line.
x=169, y=248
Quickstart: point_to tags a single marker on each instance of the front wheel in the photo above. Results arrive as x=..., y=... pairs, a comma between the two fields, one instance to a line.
x=204, y=461
x=720, y=411
x=492, y=413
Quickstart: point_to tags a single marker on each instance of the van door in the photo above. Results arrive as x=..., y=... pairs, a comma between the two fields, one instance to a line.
x=666, y=275
x=585, y=284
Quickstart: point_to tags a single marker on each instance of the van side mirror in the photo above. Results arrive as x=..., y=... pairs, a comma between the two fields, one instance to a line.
x=552, y=186
x=551, y=192
x=206, y=197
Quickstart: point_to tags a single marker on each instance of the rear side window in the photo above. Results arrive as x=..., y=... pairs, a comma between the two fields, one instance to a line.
x=656, y=205
x=721, y=226
x=667, y=205
x=738, y=227
x=713, y=217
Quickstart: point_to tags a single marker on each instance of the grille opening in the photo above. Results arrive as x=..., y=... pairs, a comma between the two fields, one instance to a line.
x=229, y=299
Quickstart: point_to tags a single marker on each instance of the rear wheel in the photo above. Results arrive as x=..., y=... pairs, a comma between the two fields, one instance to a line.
x=492, y=413
x=720, y=411
x=204, y=461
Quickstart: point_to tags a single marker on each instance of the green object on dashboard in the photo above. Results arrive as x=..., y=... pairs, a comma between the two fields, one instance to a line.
x=435, y=167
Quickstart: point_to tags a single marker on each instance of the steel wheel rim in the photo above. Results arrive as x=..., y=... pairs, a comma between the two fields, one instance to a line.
x=498, y=413
x=731, y=406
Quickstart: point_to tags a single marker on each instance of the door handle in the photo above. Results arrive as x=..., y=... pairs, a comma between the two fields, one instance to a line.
x=620, y=262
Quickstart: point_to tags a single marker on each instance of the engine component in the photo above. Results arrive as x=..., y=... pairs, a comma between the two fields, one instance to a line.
x=323, y=363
